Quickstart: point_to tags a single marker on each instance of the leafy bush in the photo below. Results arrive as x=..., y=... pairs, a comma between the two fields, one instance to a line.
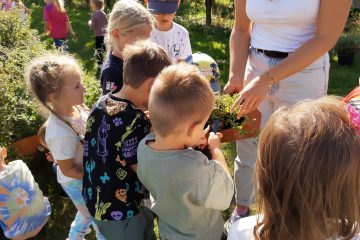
x=348, y=43
x=19, y=113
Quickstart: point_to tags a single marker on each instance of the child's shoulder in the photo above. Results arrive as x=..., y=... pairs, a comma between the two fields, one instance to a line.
x=178, y=27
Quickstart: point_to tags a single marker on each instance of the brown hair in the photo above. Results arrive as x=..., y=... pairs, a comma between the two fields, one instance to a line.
x=99, y=4
x=179, y=94
x=142, y=60
x=309, y=173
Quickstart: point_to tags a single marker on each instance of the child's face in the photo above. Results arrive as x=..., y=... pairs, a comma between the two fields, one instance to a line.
x=140, y=32
x=92, y=5
x=164, y=21
x=72, y=91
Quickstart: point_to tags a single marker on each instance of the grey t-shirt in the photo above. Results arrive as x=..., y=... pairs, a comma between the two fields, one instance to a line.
x=189, y=191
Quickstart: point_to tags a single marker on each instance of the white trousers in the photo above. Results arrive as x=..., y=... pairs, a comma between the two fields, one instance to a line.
x=310, y=83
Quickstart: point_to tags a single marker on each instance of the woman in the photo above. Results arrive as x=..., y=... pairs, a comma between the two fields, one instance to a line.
x=287, y=61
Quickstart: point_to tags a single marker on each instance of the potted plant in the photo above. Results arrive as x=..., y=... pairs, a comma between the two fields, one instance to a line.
x=347, y=45
x=227, y=123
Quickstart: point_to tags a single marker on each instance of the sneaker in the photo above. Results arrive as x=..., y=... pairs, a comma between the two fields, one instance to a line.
x=233, y=218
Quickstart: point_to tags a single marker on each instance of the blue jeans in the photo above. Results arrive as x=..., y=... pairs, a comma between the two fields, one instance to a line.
x=81, y=224
x=62, y=44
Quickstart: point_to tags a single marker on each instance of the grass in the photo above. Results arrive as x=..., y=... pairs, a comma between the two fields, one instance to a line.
x=210, y=40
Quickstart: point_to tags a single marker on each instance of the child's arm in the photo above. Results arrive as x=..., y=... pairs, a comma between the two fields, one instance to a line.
x=214, y=146
x=46, y=28
x=70, y=29
x=69, y=169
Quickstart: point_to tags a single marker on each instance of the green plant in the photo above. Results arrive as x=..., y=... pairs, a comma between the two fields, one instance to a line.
x=348, y=43
x=20, y=115
x=221, y=111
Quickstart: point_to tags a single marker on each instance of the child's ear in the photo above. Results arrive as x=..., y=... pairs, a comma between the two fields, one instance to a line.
x=191, y=129
x=3, y=153
x=115, y=33
x=52, y=97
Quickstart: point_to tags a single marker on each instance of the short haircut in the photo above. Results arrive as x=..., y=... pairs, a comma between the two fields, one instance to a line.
x=99, y=4
x=308, y=173
x=142, y=60
x=180, y=94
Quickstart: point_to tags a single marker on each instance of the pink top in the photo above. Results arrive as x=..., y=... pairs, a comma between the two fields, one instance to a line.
x=7, y=5
x=57, y=21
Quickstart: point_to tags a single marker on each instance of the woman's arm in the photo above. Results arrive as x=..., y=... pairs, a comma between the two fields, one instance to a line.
x=69, y=169
x=330, y=24
x=239, y=48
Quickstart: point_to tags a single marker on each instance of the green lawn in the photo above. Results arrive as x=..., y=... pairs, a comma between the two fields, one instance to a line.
x=210, y=40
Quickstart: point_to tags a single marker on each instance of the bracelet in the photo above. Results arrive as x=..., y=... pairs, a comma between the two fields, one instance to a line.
x=270, y=77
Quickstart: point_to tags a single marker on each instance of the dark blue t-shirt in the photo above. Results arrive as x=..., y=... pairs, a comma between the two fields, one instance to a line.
x=111, y=76
x=111, y=190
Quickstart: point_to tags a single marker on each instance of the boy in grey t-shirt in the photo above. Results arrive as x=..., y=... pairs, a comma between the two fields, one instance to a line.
x=189, y=190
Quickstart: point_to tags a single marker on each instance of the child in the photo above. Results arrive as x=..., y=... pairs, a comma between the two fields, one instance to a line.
x=189, y=190
x=56, y=23
x=23, y=208
x=117, y=123
x=98, y=23
x=173, y=37
x=128, y=21
x=308, y=175
x=55, y=80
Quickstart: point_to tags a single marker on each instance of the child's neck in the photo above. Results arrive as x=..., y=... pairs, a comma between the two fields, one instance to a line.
x=2, y=167
x=132, y=95
x=165, y=29
x=117, y=53
x=67, y=111
x=168, y=143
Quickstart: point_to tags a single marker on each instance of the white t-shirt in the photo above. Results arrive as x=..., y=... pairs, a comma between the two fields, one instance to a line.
x=176, y=42
x=63, y=141
x=282, y=25
x=243, y=229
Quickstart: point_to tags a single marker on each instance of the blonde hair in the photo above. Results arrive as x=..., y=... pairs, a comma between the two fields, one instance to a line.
x=125, y=16
x=45, y=75
x=308, y=173
x=142, y=60
x=58, y=3
x=179, y=95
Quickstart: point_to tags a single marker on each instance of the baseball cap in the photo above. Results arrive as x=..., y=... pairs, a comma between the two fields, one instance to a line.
x=163, y=6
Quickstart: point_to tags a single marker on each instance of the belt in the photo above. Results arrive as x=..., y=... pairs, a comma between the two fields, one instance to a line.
x=273, y=54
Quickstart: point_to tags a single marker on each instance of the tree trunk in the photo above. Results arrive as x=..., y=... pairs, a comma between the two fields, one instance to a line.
x=208, y=5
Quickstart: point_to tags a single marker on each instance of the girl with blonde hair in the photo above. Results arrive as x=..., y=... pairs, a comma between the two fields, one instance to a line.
x=56, y=23
x=128, y=21
x=308, y=172
x=55, y=81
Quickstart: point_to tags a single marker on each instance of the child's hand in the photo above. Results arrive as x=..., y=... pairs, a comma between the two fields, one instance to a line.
x=72, y=34
x=203, y=142
x=214, y=140
x=147, y=113
x=89, y=23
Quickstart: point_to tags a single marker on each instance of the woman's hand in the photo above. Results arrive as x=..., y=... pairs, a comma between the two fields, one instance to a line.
x=234, y=85
x=251, y=96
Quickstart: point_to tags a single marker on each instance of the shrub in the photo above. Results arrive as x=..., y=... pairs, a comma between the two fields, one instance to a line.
x=20, y=115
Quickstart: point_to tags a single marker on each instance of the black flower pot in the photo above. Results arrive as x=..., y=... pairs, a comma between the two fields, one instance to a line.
x=345, y=59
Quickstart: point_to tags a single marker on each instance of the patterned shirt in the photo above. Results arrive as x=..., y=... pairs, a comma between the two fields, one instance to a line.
x=112, y=191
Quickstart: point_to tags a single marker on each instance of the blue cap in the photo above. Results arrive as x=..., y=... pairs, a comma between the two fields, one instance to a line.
x=163, y=6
